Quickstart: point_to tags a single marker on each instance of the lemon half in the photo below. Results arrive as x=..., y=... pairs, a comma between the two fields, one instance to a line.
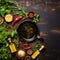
x=8, y=17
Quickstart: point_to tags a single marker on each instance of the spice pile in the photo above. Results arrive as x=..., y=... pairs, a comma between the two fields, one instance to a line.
x=9, y=40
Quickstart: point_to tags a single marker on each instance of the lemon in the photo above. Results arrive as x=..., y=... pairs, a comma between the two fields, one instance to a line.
x=8, y=17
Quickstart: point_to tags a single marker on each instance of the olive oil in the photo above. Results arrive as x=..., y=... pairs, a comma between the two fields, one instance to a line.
x=36, y=53
x=12, y=46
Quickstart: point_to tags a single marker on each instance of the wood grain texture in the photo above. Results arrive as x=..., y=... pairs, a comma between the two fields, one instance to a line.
x=49, y=11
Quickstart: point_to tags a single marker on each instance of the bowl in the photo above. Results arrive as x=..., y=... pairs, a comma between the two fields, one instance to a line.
x=28, y=31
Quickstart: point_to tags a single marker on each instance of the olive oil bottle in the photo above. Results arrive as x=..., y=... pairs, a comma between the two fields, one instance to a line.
x=36, y=53
x=12, y=46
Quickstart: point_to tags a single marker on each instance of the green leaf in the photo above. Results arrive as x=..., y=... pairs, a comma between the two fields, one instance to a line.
x=13, y=33
x=8, y=10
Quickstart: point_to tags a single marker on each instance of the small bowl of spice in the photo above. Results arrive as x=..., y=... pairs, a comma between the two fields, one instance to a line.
x=29, y=52
x=27, y=58
x=1, y=20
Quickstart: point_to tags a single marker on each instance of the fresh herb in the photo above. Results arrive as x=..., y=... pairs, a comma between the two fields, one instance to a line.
x=22, y=14
x=4, y=8
x=36, y=47
x=4, y=51
x=13, y=33
x=16, y=41
x=4, y=33
x=8, y=6
x=36, y=18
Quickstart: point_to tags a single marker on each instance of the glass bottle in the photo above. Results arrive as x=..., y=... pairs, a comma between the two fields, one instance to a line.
x=12, y=46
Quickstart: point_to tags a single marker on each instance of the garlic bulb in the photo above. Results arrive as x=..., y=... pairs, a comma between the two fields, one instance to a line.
x=20, y=54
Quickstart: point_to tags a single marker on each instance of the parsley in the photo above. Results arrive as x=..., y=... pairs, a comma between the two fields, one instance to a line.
x=4, y=33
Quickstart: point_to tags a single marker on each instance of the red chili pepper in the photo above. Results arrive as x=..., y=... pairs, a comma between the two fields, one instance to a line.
x=21, y=43
x=16, y=20
x=24, y=18
x=27, y=48
x=25, y=44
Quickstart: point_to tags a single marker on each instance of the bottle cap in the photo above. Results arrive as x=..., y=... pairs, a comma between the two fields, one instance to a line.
x=9, y=39
x=42, y=47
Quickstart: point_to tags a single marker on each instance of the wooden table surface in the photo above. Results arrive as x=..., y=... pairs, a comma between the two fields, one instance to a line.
x=49, y=25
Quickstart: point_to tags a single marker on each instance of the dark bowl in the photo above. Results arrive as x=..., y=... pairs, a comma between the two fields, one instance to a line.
x=28, y=31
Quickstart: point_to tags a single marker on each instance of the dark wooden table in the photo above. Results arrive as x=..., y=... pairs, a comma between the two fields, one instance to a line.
x=49, y=25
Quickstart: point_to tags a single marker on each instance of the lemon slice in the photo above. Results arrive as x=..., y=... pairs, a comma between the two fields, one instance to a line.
x=8, y=17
